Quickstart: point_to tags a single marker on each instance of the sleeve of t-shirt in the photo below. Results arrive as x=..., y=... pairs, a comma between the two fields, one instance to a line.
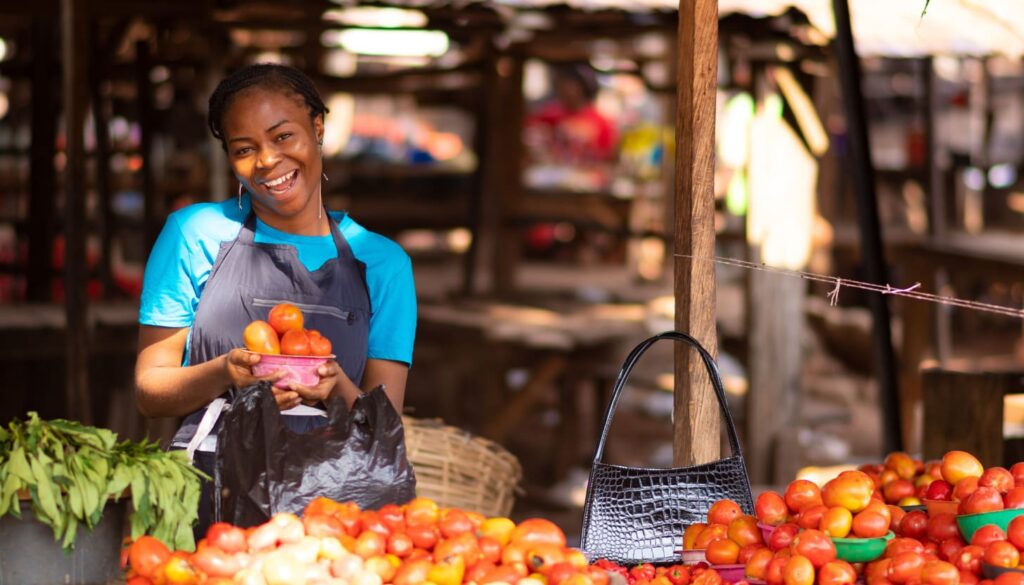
x=393, y=322
x=168, y=287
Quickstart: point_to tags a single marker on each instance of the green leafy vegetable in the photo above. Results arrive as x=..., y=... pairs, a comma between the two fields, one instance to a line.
x=70, y=472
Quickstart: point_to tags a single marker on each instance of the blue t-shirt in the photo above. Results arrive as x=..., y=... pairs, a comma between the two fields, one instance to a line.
x=183, y=255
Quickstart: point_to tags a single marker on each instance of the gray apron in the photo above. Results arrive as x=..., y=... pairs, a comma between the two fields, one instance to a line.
x=246, y=281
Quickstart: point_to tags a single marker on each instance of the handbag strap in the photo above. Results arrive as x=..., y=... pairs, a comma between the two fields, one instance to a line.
x=630, y=363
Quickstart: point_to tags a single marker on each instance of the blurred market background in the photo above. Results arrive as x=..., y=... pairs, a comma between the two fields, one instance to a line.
x=542, y=242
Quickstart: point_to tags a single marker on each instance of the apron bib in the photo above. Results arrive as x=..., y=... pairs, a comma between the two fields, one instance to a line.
x=246, y=281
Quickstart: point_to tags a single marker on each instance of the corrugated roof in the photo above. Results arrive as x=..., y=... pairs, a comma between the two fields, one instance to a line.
x=897, y=28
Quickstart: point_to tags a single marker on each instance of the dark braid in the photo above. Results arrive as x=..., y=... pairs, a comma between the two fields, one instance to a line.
x=264, y=75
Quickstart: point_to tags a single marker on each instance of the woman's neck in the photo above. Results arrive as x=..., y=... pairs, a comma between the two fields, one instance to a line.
x=310, y=221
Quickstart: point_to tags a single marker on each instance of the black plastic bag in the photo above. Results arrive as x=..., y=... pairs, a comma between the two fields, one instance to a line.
x=264, y=468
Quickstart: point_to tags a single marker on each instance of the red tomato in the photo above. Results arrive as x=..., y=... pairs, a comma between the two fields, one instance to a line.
x=878, y=571
x=371, y=520
x=1002, y=554
x=321, y=525
x=424, y=537
x=810, y=517
x=370, y=544
x=939, y=573
x=710, y=534
x=964, y=488
x=969, y=559
x=906, y=567
x=722, y=552
x=941, y=527
x=467, y=546
x=454, y=522
x=988, y=534
x=392, y=516
x=540, y=559
x=146, y=555
x=757, y=565
x=783, y=536
x=228, y=538
x=998, y=478
x=957, y=465
x=490, y=549
x=744, y=531
x=984, y=499
x=214, y=562
x=802, y=493
x=851, y=490
x=899, y=489
x=690, y=535
x=285, y=317
x=898, y=546
x=870, y=525
x=837, y=573
x=940, y=489
x=724, y=512
x=770, y=508
x=421, y=511
x=295, y=342
x=950, y=548
x=318, y=344
x=798, y=571
x=914, y=525
x=1017, y=471
x=836, y=522
x=1015, y=532
x=1014, y=498
x=773, y=575
x=400, y=544
x=538, y=530
x=260, y=337
x=968, y=578
x=747, y=552
x=816, y=546
x=896, y=515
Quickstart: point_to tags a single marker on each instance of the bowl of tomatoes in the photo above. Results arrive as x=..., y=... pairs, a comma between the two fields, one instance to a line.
x=285, y=345
x=861, y=550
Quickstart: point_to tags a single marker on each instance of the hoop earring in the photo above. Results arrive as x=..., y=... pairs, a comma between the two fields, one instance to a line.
x=320, y=211
x=239, y=195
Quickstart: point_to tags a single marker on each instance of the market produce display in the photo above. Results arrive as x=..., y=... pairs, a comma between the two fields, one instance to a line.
x=418, y=543
x=70, y=471
x=949, y=522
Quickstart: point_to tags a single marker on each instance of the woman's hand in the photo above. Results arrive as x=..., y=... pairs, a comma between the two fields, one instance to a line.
x=238, y=366
x=330, y=373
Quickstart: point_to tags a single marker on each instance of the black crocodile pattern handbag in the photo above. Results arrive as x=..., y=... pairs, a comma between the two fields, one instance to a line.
x=636, y=515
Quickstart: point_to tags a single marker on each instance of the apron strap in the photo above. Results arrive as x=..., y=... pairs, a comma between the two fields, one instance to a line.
x=209, y=419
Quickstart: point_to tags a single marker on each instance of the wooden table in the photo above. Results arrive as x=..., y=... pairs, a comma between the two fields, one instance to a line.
x=563, y=351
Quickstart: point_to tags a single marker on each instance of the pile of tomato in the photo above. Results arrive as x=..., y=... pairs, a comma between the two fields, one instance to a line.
x=418, y=543
x=792, y=539
x=284, y=333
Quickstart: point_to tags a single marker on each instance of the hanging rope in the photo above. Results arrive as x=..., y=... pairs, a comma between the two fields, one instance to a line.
x=909, y=292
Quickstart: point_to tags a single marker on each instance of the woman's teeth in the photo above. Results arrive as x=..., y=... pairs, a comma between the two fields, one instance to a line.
x=280, y=180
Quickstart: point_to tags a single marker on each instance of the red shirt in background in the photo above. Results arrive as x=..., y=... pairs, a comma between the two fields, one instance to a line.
x=583, y=135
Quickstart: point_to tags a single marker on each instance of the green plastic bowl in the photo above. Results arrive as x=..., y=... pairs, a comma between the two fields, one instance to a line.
x=861, y=550
x=970, y=523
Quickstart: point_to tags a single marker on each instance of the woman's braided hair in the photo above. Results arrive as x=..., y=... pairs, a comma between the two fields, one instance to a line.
x=267, y=76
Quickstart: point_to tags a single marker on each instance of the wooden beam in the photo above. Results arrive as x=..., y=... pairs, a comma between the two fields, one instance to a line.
x=73, y=54
x=42, y=201
x=875, y=269
x=144, y=98
x=697, y=415
x=100, y=57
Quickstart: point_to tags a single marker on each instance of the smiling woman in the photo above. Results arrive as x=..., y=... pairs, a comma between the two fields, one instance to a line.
x=218, y=266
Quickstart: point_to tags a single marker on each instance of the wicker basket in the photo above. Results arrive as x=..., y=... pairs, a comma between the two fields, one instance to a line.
x=460, y=470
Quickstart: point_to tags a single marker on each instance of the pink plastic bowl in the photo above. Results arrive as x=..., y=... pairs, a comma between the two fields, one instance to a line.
x=297, y=368
x=766, y=531
x=731, y=573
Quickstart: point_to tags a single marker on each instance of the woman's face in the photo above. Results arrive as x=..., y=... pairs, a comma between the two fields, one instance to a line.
x=274, y=150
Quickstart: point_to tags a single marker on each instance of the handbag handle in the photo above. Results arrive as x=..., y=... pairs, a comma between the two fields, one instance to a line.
x=630, y=363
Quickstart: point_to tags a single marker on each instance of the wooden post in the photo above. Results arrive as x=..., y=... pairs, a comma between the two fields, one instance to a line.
x=508, y=172
x=73, y=55
x=697, y=416
x=42, y=203
x=964, y=411
x=100, y=123
x=875, y=269
x=144, y=96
